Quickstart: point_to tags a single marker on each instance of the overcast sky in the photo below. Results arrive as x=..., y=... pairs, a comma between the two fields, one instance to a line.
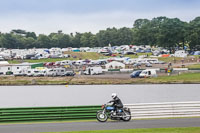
x=47, y=16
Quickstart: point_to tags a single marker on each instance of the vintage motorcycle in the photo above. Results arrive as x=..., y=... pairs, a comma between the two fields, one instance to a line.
x=109, y=112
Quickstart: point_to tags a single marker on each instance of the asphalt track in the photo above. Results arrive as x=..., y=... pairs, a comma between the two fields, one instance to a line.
x=94, y=125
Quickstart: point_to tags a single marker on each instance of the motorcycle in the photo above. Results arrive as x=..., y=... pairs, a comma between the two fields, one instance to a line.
x=109, y=112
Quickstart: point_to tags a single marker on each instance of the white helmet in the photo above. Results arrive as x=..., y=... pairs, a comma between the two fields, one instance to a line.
x=114, y=95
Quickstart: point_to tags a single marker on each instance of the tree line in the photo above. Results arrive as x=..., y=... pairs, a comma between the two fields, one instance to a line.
x=170, y=33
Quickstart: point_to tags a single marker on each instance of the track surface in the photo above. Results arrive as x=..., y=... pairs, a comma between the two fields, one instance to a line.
x=79, y=126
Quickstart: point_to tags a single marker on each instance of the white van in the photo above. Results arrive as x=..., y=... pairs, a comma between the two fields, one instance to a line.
x=93, y=71
x=19, y=73
x=148, y=73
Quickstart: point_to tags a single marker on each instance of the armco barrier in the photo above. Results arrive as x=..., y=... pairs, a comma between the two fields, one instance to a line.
x=165, y=110
x=48, y=113
x=138, y=111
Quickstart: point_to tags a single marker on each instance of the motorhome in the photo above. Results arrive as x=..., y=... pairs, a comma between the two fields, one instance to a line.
x=148, y=73
x=59, y=72
x=93, y=71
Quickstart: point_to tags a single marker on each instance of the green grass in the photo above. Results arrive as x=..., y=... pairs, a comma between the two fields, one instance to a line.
x=194, y=66
x=85, y=55
x=169, y=59
x=38, y=61
x=189, y=78
x=182, y=78
x=152, y=130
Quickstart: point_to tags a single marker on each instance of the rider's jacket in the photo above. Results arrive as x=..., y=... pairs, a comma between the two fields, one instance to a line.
x=117, y=102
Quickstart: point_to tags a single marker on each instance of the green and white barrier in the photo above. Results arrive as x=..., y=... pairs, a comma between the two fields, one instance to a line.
x=48, y=113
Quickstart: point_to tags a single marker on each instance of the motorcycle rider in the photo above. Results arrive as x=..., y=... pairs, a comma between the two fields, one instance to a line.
x=117, y=103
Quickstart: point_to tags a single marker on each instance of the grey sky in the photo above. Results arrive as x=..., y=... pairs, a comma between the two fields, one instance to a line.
x=46, y=16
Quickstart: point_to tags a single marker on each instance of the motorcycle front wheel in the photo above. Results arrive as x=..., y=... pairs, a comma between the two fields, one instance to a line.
x=101, y=117
x=126, y=115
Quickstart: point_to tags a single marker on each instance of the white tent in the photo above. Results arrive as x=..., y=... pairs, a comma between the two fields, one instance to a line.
x=115, y=65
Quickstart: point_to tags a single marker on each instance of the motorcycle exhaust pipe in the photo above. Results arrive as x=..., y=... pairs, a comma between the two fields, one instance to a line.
x=121, y=116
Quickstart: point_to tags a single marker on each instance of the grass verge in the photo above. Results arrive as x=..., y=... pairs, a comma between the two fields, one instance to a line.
x=152, y=130
x=194, y=66
x=185, y=78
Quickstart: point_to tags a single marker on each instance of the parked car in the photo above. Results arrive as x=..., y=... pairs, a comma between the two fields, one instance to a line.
x=49, y=64
x=130, y=53
x=1, y=58
x=70, y=73
x=9, y=73
x=148, y=65
x=136, y=64
x=161, y=62
x=57, y=63
x=135, y=74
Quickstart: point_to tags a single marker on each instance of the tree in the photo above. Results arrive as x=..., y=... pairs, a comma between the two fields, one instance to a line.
x=171, y=34
x=193, y=36
x=103, y=38
x=64, y=41
x=125, y=36
x=9, y=41
x=139, y=23
x=76, y=40
x=31, y=34
x=142, y=33
x=43, y=41
x=29, y=42
x=93, y=41
x=85, y=39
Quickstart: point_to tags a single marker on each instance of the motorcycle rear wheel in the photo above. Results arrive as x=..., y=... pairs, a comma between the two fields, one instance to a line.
x=101, y=117
x=126, y=116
